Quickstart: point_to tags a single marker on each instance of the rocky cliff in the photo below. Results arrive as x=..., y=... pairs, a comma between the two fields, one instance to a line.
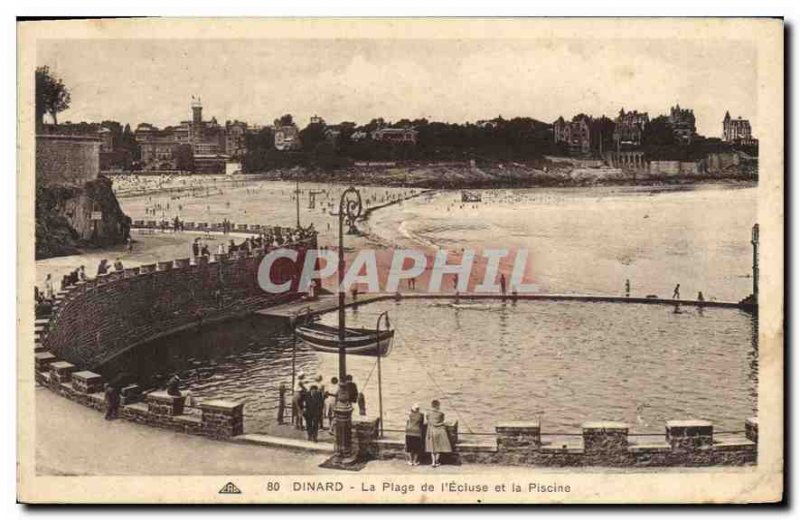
x=64, y=218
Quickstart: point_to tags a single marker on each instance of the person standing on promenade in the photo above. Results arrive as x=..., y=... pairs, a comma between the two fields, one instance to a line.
x=321, y=387
x=414, y=427
x=118, y=265
x=676, y=294
x=352, y=389
x=281, y=401
x=330, y=403
x=102, y=267
x=112, y=399
x=627, y=288
x=503, y=284
x=362, y=404
x=49, y=292
x=313, y=412
x=436, y=439
x=297, y=401
x=196, y=248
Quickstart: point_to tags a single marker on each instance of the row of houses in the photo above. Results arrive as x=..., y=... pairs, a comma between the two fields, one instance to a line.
x=213, y=144
x=586, y=135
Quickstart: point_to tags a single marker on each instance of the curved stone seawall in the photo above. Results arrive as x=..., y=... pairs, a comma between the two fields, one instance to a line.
x=93, y=321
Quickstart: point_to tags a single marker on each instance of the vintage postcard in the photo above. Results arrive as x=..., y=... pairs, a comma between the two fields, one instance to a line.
x=401, y=261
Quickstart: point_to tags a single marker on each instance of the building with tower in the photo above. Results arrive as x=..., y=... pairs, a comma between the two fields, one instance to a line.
x=737, y=131
x=207, y=139
x=682, y=122
x=629, y=128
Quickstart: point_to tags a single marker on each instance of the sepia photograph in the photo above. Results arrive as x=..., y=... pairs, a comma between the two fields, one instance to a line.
x=400, y=260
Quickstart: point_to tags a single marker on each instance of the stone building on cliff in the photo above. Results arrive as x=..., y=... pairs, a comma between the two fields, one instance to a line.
x=737, y=131
x=75, y=206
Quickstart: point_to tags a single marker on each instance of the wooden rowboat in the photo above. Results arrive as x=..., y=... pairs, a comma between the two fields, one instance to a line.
x=357, y=341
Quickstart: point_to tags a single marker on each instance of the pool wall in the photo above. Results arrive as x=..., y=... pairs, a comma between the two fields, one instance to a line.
x=96, y=320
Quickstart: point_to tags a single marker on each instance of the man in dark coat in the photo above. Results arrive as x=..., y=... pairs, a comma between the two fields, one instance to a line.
x=352, y=389
x=112, y=397
x=313, y=411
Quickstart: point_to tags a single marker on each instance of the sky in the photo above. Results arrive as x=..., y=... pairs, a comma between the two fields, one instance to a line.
x=256, y=81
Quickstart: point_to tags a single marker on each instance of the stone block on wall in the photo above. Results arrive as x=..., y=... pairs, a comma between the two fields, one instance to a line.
x=163, y=404
x=86, y=382
x=61, y=371
x=365, y=435
x=451, y=427
x=519, y=435
x=131, y=271
x=605, y=436
x=222, y=418
x=42, y=361
x=751, y=429
x=689, y=434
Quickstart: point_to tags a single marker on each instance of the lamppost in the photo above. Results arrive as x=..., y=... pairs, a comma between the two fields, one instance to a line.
x=754, y=241
x=349, y=209
x=380, y=355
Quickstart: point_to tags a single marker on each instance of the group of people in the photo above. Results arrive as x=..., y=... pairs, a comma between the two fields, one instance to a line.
x=113, y=396
x=676, y=292
x=48, y=294
x=426, y=433
x=103, y=267
x=45, y=296
x=313, y=403
x=270, y=237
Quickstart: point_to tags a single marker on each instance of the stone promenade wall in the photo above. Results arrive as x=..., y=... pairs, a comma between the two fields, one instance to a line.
x=95, y=320
x=685, y=443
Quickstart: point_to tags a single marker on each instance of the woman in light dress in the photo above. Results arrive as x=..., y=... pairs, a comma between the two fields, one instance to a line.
x=436, y=439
